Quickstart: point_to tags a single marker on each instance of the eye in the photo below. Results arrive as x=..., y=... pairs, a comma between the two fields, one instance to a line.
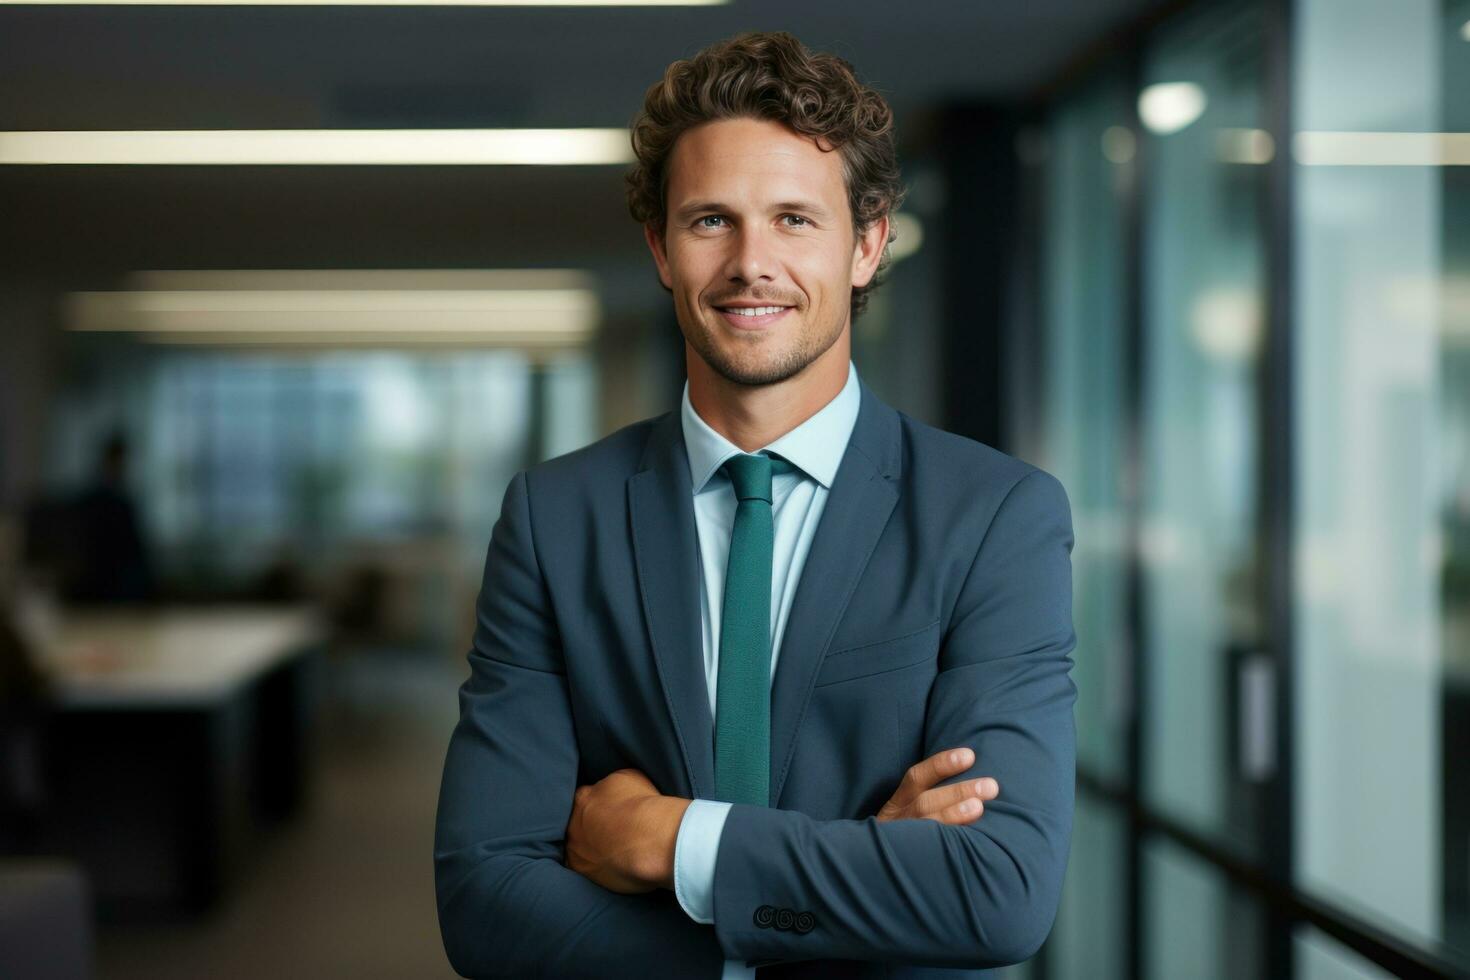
x=797, y=218
x=701, y=222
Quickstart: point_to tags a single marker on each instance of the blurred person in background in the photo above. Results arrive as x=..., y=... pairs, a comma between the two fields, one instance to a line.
x=671, y=761
x=89, y=547
x=108, y=559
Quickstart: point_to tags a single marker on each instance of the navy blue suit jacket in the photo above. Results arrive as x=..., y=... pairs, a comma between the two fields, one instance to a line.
x=934, y=611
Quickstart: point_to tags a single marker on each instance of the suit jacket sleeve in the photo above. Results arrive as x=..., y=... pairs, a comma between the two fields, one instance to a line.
x=508, y=905
x=978, y=895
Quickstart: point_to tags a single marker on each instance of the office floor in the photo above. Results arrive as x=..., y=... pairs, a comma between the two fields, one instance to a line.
x=347, y=889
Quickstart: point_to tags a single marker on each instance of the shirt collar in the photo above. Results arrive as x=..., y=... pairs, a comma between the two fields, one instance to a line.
x=815, y=446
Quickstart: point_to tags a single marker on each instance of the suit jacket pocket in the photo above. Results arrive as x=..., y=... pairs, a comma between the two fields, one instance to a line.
x=880, y=656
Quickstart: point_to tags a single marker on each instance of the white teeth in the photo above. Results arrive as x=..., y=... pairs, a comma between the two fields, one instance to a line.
x=757, y=311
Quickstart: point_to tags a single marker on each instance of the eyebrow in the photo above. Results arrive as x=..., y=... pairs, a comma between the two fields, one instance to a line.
x=809, y=207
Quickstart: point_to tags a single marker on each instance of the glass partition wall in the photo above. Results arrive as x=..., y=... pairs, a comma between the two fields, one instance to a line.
x=1252, y=277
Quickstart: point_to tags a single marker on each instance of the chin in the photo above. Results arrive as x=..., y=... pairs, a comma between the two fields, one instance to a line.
x=753, y=360
x=765, y=369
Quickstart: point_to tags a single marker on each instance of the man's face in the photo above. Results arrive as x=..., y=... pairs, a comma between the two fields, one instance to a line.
x=759, y=248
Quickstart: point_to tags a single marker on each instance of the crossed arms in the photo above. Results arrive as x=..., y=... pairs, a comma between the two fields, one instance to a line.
x=910, y=890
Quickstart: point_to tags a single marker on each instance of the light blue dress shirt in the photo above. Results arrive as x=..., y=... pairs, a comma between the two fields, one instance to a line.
x=797, y=499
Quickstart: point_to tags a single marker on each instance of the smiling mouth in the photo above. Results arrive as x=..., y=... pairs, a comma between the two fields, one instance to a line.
x=751, y=311
x=752, y=317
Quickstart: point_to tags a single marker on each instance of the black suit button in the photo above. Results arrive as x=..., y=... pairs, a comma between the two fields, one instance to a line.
x=764, y=915
x=785, y=918
x=805, y=922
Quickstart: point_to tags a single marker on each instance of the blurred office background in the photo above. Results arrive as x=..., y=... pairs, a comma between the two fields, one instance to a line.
x=1208, y=262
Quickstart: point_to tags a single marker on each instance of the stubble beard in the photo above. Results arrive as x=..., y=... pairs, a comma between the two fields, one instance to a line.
x=757, y=371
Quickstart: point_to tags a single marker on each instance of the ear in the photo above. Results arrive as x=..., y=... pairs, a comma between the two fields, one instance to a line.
x=655, y=239
x=867, y=252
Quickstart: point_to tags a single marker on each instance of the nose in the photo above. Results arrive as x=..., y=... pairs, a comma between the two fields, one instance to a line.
x=750, y=259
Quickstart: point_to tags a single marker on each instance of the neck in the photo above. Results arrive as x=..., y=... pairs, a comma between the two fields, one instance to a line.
x=752, y=416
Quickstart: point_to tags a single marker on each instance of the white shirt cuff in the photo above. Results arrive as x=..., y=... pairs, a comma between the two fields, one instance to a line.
x=695, y=850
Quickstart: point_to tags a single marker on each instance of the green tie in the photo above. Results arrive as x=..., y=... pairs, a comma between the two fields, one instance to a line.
x=743, y=691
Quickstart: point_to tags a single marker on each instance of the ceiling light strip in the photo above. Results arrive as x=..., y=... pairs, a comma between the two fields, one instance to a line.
x=1346, y=149
x=331, y=147
x=376, y=3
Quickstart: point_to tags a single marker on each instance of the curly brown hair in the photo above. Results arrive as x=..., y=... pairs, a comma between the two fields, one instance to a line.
x=773, y=76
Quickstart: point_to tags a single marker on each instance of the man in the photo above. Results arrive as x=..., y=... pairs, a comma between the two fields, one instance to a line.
x=734, y=666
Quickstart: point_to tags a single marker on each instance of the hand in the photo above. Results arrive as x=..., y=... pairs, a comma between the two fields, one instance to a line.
x=622, y=832
x=947, y=804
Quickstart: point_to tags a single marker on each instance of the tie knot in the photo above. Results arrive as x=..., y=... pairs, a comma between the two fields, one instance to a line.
x=751, y=474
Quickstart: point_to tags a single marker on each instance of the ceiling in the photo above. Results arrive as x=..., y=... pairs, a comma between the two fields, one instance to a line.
x=173, y=67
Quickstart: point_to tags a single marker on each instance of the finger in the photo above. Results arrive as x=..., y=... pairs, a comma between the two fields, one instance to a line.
x=943, y=797
x=942, y=765
x=964, y=811
x=923, y=775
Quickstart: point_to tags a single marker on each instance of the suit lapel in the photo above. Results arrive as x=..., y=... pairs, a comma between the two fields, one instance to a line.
x=862, y=497
x=666, y=550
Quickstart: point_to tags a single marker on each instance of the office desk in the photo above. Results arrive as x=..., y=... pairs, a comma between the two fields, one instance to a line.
x=180, y=736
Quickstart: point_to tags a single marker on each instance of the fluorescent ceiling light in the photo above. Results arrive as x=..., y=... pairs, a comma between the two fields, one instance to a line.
x=1465, y=30
x=318, y=146
x=509, y=308
x=1169, y=107
x=401, y=279
x=387, y=3
x=1337, y=149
